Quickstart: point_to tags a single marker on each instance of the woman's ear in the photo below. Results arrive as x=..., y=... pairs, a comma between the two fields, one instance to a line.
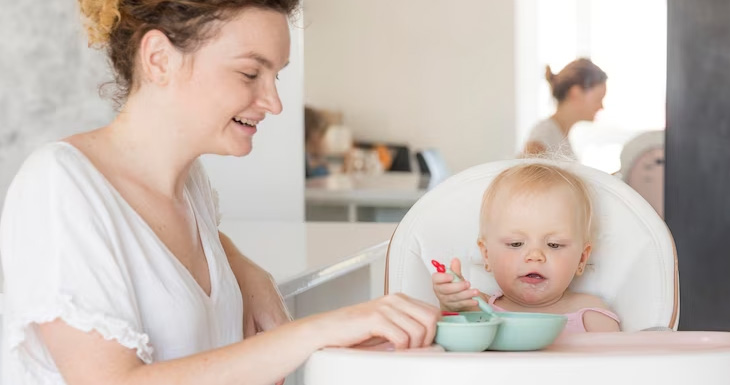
x=157, y=58
x=483, y=250
x=575, y=92
x=584, y=256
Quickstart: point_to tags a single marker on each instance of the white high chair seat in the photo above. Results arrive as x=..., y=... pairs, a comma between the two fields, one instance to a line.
x=632, y=268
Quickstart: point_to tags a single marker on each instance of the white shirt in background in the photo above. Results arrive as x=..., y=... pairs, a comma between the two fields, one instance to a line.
x=557, y=146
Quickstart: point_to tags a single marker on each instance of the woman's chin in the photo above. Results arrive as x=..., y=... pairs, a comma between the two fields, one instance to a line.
x=239, y=147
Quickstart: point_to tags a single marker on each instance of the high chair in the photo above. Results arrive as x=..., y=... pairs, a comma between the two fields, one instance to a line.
x=633, y=266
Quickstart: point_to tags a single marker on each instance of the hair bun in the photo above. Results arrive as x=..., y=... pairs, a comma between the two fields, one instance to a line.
x=101, y=17
x=549, y=75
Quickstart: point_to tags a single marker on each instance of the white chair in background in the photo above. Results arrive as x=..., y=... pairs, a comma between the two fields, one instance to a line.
x=642, y=167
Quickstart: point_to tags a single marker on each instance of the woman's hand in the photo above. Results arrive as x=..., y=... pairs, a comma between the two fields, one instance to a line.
x=454, y=296
x=405, y=322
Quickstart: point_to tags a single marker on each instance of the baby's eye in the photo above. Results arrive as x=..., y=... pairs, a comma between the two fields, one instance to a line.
x=515, y=244
x=554, y=245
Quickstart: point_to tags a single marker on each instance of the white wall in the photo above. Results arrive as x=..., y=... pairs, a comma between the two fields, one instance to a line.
x=49, y=89
x=434, y=73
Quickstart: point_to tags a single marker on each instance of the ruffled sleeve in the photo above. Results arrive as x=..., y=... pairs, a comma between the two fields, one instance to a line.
x=61, y=259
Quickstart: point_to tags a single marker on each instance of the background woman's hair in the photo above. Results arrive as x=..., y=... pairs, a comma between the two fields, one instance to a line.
x=119, y=25
x=581, y=72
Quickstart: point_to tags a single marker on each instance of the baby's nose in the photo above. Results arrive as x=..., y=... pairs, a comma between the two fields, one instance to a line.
x=535, y=255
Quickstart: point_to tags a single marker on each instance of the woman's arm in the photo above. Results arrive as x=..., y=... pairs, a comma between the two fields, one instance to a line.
x=263, y=304
x=87, y=358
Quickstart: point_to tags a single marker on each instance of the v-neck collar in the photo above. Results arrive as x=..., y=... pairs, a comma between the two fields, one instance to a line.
x=203, y=236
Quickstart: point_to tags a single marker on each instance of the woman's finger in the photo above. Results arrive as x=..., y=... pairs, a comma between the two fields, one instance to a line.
x=425, y=314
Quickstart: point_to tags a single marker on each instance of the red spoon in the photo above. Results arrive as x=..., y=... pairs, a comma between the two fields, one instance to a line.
x=439, y=266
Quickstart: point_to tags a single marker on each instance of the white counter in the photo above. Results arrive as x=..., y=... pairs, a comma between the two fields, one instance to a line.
x=351, y=191
x=302, y=256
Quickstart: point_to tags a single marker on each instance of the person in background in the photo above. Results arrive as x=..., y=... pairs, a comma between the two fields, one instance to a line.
x=579, y=90
x=315, y=129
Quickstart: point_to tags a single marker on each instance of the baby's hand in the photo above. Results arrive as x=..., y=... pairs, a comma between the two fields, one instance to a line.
x=454, y=296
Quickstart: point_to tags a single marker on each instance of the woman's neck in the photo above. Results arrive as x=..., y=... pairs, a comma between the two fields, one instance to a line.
x=565, y=119
x=151, y=148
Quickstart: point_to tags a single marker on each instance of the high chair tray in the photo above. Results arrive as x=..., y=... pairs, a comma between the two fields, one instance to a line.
x=667, y=358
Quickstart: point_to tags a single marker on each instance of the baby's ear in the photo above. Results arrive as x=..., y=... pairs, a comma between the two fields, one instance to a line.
x=483, y=250
x=585, y=255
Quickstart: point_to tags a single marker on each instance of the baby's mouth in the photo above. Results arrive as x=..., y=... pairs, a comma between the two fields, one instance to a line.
x=533, y=278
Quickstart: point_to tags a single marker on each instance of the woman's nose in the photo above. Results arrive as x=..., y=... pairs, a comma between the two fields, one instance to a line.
x=269, y=99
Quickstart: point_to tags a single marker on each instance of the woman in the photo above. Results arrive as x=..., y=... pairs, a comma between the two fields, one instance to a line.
x=579, y=90
x=115, y=270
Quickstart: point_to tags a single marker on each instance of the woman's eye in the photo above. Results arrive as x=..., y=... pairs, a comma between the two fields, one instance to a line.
x=515, y=244
x=250, y=76
x=277, y=76
x=554, y=245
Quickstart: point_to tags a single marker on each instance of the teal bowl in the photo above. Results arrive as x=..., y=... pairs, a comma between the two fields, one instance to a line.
x=469, y=332
x=525, y=331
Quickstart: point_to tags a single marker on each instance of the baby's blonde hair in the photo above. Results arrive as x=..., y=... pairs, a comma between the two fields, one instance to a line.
x=537, y=177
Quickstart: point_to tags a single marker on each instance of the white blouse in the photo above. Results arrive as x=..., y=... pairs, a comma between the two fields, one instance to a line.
x=73, y=248
x=549, y=134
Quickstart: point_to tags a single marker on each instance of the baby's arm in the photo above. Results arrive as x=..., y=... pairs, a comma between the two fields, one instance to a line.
x=594, y=321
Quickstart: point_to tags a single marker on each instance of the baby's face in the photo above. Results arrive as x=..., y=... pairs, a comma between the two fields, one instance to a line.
x=534, y=244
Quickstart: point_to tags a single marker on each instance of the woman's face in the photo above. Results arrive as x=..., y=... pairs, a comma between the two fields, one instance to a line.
x=229, y=84
x=592, y=101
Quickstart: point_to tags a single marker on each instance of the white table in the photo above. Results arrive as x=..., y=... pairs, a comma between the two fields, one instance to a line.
x=667, y=358
x=390, y=189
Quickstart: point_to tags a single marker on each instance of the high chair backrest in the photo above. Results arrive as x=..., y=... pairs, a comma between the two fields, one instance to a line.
x=633, y=267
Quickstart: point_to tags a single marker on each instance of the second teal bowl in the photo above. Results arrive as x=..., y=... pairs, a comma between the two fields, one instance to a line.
x=527, y=331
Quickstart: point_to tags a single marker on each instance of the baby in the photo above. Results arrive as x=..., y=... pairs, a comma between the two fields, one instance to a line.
x=534, y=236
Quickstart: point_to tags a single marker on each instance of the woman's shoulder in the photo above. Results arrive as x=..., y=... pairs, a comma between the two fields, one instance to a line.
x=57, y=154
x=545, y=127
x=54, y=171
x=49, y=162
